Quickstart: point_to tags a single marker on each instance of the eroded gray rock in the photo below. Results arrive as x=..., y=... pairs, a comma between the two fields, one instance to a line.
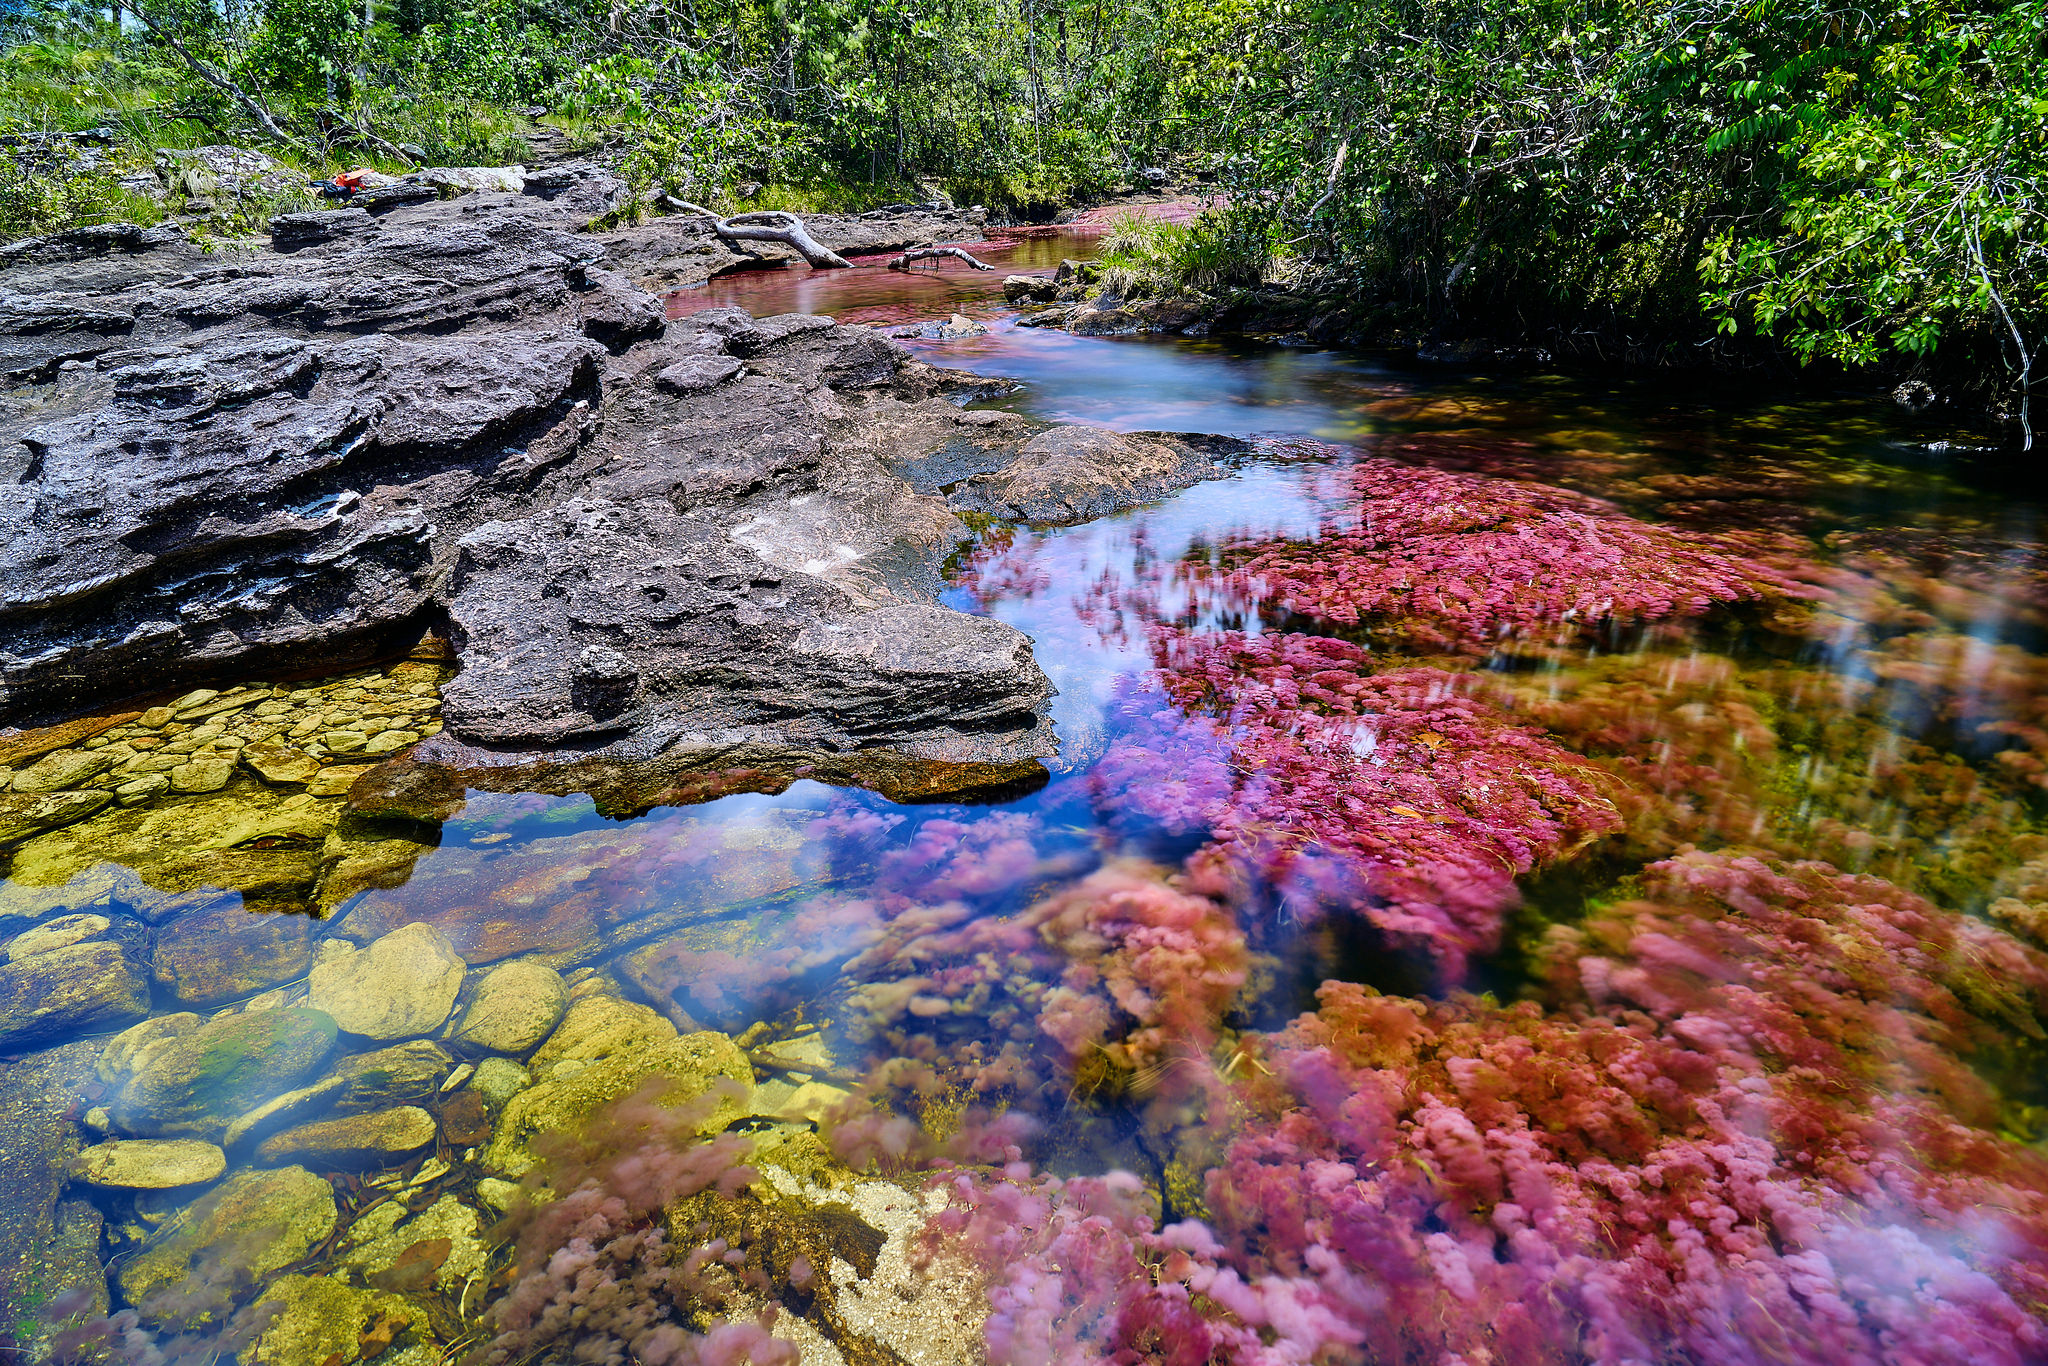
x=460, y=407
x=1076, y=473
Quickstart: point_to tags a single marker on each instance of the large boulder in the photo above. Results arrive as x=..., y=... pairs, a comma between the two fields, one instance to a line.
x=197, y=1082
x=402, y=985
x=240, y=465
x=256, y=1222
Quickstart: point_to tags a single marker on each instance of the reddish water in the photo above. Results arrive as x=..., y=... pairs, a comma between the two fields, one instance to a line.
x=872, y=293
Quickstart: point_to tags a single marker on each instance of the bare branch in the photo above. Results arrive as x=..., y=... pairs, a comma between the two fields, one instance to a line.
x=772, y=226
x=933, y=253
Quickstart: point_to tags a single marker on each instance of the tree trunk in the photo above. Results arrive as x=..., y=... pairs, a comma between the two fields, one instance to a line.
x=772, y=226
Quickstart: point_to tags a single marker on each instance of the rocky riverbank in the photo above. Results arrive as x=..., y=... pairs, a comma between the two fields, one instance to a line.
x=711, y=543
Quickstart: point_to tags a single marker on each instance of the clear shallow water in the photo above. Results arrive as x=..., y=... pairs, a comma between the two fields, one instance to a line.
x=1708, y=738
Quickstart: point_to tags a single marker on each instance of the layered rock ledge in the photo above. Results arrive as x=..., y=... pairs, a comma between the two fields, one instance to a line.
x=706, y=543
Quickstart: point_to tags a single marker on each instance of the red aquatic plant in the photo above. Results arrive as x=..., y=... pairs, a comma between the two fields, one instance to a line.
x=1123, y=964
x=1480, y=557
x=1740, y=1135
x=1398, y=795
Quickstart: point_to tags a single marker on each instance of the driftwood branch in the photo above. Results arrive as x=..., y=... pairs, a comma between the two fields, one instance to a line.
x=219, y=80
x=772, y=226
x=933, y=253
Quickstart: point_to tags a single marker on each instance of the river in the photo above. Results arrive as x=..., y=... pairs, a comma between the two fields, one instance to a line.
x=1537, y=869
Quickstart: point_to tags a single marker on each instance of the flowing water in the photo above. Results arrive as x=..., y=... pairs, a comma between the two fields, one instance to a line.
x=1536, y=870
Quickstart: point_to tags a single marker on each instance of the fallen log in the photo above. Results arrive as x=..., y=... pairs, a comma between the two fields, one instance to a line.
x=932, y=253
x=771, y=225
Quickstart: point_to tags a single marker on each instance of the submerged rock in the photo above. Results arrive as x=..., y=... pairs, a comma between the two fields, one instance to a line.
x=150, y=1164
x=1072, y=474
x=391, y=1076
x=516, y=1006
x=364, y=1140
x=403, y=984
x=60, y=932
x=199, y=1081
x=497, y=1080
x=255, y=1221
x=436, y=1249
x=41, y=1254
x=230, y=951
x=318, y=1319
x=62, y=992
x=694, y=1064
x=601, y=1026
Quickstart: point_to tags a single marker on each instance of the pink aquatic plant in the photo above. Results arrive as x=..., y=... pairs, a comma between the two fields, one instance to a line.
x=1398, y=795
x=597, y=1277
x=1480, y=557
x=1124, y=966
x=1740, y=1135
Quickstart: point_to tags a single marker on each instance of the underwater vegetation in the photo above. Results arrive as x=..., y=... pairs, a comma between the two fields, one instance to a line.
x=1739, y=1129
x=1612, y=944
x=1476, y=557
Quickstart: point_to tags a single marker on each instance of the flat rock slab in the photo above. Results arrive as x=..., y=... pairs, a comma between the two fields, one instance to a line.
x=23, y=814
x=228, y=952
x=150, y=1164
